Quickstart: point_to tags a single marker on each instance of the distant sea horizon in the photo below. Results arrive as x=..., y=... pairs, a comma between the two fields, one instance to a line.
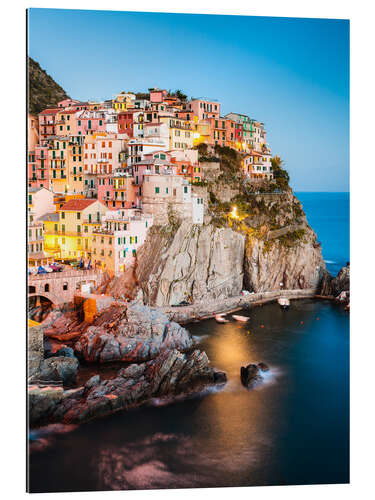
x=328, y=213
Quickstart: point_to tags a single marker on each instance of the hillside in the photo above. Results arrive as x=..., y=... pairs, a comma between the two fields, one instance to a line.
x=43, y=90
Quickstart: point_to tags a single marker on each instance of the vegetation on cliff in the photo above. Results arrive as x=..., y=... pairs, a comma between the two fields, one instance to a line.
x=43, y=90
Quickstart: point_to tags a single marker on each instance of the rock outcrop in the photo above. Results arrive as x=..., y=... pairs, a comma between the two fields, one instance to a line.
x=271, y=248
x=171, y=373
x=131, y=334
x=251, y=374
x=335, y=286
x=196, y=261
x=58, y=369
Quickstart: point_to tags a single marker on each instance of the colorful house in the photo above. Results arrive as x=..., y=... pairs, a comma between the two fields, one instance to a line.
x=115, y=243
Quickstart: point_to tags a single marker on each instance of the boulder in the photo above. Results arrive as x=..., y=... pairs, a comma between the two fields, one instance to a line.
x=250, y=375
x=170, y=373
x=55, y=349
x=59, y=368
x=131, y=334
x=263, y=367
x=220, y=377
x=92, y=382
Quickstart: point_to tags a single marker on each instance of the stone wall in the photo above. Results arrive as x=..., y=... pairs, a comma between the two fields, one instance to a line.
x=35, y=349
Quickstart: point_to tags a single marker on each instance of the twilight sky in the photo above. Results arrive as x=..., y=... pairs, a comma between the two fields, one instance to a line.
x=292, y=74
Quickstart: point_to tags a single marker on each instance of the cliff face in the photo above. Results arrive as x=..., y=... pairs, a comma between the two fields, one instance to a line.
x=268, y=246
x=195, y=261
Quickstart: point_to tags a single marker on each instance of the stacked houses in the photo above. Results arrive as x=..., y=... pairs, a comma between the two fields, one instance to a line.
x=100, y=174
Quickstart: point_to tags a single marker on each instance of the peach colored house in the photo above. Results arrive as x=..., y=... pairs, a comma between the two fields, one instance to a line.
x=115, y=243
x=47, y=123
x=204, y=108
x=117, y=190
x=163, y=192
x=157, y=95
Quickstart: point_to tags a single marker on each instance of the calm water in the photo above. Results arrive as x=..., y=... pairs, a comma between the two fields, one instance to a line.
x=328, y=215
x=292, y=429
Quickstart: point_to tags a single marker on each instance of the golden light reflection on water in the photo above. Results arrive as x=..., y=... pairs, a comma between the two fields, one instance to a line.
x=234, y=418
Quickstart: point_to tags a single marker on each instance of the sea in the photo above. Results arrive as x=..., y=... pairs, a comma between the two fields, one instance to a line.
x=291, y=429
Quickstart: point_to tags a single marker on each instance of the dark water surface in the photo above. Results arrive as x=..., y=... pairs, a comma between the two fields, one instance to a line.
x=328, y=215
x=292, y=429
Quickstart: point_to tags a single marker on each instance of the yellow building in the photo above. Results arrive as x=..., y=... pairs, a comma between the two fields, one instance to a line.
x=180, y=132
x=201, y=131
x=75, y=165
x=123, y=101
x=68, y=234
x=57, y=156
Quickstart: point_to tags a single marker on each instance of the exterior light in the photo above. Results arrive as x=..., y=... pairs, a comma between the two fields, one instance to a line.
x=234, y=212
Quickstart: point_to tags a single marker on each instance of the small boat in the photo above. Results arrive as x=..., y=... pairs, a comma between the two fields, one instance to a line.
x=283, y=302
x=220, y=318
x=240, y=318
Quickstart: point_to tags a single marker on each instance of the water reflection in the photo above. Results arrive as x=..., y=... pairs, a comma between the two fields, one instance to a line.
x=275, y=434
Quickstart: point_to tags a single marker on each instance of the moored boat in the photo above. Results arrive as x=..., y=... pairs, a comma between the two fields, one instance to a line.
x=240, y=318
x=283, y=302
x=221, y=319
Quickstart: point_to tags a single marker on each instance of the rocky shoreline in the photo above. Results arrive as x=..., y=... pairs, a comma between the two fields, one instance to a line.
x=171, y=373
x=159, y=356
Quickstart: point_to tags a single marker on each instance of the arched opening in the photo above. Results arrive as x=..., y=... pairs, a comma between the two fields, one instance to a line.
x=46, y=287
x=39, y=307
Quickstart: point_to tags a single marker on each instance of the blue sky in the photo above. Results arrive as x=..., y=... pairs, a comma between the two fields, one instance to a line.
x=292, y=74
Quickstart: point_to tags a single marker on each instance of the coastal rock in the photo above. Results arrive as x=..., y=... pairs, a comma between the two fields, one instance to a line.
x=171, y=373
x=335, y=286
x=250, y=375
x=208, y=262
x=263, y=367
x=54, y=349
x=59, y=368
x=195, y=261
x=131, y=334
x=92, y=382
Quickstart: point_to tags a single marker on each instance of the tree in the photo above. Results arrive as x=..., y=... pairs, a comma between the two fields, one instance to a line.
x=280, y=174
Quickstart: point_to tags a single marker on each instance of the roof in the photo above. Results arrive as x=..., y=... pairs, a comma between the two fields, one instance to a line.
x=35, y=189
x=77, y=204
x=49, y=217
x=50, y=111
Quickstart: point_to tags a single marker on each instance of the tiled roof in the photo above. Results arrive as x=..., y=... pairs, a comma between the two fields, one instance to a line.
x=79, y=204
x=50, y=111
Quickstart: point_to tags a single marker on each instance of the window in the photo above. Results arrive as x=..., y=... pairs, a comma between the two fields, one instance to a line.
x=185, y=189
x=46, y=287
x=157, y=190
x=78, y=229
x=65, y=286
x=78, y=215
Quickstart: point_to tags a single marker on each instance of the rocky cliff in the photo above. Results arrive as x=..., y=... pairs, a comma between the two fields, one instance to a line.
x=266, y=245
x=194, y=261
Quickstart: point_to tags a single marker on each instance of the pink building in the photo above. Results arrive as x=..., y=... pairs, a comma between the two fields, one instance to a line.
x=157, y=95
x=204, y=109
x=90, y=122
x=117, y=191
x=47, y=123
x=38, y=167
